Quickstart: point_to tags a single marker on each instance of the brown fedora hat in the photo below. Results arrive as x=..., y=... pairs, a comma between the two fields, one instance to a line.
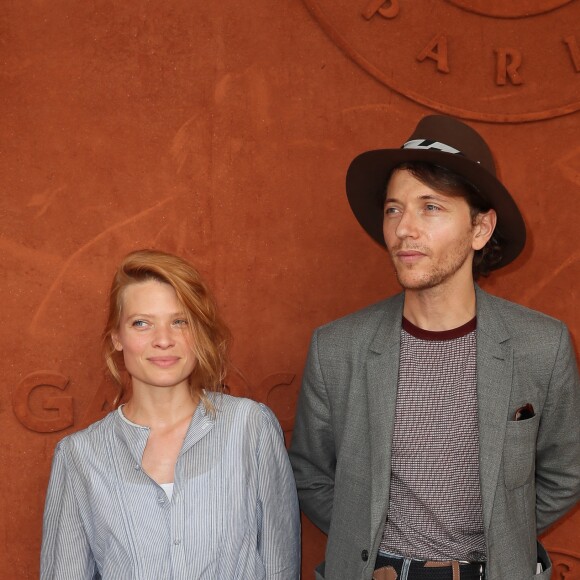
x=451, y=144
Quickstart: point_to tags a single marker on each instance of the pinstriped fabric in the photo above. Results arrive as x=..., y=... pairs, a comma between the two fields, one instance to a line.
x=233, y=513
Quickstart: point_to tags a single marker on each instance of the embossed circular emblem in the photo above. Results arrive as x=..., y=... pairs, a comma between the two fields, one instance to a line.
x=485, y=60
x=503, y=9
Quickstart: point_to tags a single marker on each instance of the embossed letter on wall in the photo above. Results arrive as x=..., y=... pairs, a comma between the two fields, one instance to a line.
x=566, y=564
x=52, y=411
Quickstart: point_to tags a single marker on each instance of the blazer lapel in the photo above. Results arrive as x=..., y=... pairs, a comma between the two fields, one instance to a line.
x=494, y=383
x=382, y=375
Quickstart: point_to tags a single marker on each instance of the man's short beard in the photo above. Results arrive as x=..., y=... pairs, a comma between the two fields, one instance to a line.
x=437, y=275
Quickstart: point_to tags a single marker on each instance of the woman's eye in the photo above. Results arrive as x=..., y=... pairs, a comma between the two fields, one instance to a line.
x=139, y=324
x=180, y=322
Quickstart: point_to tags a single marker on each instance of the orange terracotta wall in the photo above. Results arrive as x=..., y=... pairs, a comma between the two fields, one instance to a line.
x=222, y=131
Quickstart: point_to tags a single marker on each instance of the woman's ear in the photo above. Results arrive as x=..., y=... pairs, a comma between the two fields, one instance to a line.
x=116, y=342
x=483, y=228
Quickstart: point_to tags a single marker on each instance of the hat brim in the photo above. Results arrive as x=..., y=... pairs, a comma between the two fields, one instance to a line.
x=366, y=181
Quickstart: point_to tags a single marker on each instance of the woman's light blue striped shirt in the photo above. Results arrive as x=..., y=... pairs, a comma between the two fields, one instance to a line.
x=233, y=514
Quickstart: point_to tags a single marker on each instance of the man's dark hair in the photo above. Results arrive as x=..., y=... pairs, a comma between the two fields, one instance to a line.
x=445, y=181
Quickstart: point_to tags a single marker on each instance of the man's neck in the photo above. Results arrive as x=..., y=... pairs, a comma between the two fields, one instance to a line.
x=440, y=308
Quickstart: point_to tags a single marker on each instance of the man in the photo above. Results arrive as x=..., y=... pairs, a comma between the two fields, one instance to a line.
x=437, y=431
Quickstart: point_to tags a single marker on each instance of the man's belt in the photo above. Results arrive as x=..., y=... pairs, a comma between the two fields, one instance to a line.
x=391, y=567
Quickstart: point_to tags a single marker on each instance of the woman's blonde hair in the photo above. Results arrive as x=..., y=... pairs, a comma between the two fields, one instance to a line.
x=210, y=336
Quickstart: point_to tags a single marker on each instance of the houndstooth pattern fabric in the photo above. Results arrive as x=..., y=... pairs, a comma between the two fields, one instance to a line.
x=435, y=510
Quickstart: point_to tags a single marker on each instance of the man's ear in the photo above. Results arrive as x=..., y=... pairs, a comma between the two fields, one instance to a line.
x=483, y=228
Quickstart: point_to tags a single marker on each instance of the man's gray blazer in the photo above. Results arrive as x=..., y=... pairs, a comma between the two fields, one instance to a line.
x=530, y=469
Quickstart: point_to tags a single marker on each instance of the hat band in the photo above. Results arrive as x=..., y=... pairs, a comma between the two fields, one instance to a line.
x=428, y=144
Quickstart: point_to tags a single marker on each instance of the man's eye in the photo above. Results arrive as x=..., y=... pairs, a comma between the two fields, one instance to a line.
x=391, y=210
x=431, y=207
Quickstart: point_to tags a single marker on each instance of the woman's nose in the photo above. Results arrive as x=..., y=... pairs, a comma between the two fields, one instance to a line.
x=163, y=337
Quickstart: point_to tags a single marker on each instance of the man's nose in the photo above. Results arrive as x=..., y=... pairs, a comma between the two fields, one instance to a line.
x=408, y=225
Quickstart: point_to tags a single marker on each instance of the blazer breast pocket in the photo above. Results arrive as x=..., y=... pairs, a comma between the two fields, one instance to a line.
x=519, y=451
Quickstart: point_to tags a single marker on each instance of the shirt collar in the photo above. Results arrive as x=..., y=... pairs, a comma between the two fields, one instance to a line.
x=135, y=436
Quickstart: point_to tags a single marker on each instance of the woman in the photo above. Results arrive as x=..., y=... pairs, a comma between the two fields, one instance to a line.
x=181, y=481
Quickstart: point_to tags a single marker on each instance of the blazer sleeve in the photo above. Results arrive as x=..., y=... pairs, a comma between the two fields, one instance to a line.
x=65, y=552
x=312, y=452
x=279, y=516
x=558, y=442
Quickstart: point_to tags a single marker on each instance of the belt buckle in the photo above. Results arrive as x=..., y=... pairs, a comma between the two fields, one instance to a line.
x=480, y=564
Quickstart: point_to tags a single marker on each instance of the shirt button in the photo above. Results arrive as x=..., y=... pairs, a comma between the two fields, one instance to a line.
x=177, y=542
x=137, y=467
x=364, y=555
